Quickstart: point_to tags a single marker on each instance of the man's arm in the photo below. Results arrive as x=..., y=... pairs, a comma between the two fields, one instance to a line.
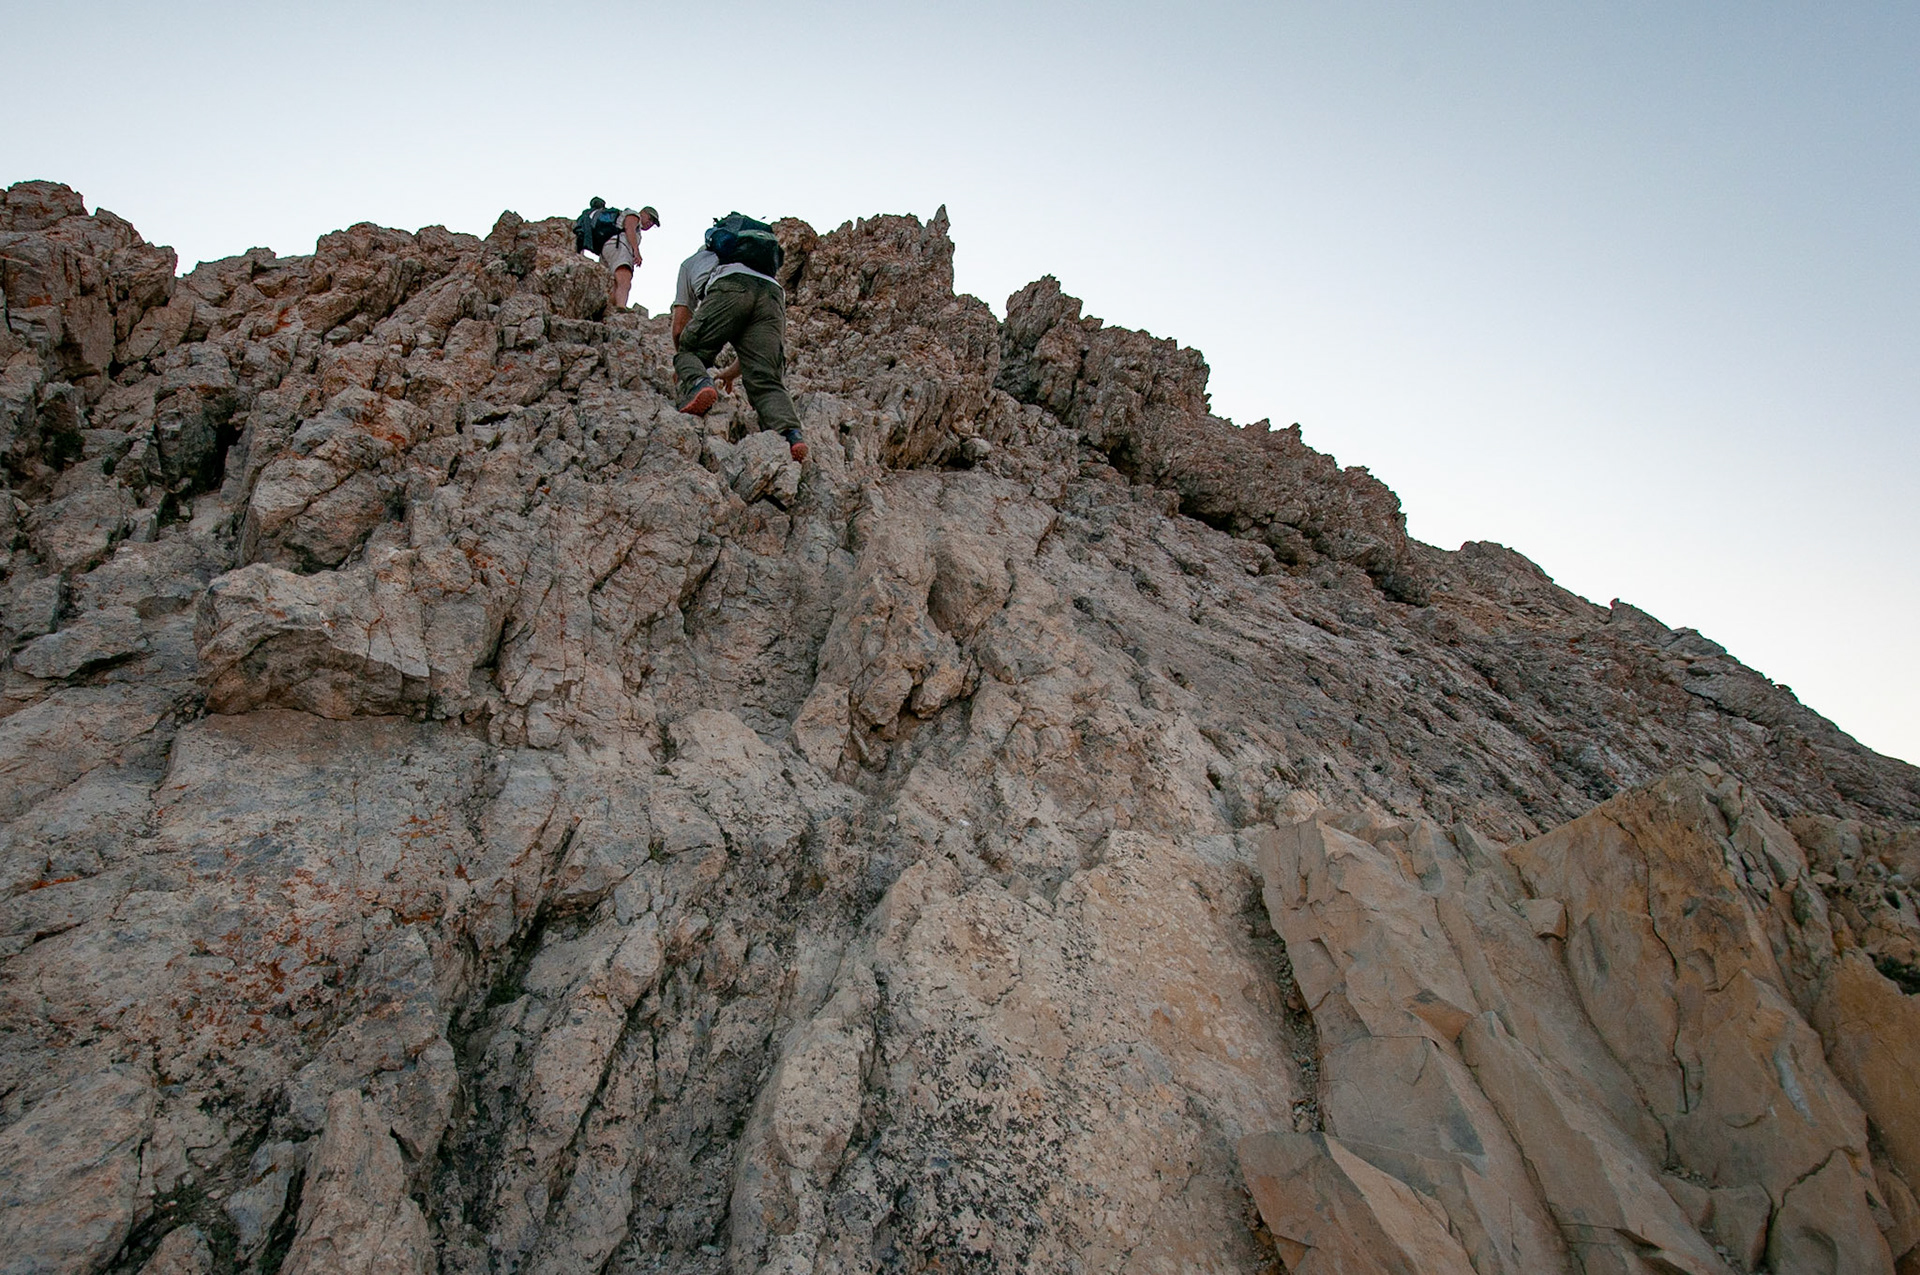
x=631, y=228
x=681, y=316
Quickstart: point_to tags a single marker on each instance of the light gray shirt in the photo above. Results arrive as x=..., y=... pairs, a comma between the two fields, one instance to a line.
x=698, y=272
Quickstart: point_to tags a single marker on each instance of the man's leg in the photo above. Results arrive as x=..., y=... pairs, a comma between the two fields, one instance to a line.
x=761, y=345
x=719, y=316
x=619, y=262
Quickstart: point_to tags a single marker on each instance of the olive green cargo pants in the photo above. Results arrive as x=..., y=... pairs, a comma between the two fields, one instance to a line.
x=751, y=314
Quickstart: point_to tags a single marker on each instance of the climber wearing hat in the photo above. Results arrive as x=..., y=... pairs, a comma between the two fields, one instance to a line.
x=614, y=236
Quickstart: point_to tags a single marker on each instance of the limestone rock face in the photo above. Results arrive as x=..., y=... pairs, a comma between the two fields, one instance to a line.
x=458, y=814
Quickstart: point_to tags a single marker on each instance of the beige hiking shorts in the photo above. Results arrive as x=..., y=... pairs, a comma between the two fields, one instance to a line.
x=615, y=253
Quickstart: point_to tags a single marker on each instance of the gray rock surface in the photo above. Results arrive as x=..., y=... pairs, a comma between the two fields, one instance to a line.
x=459, y=814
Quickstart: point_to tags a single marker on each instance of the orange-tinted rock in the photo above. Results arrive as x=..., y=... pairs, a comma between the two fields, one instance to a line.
x=1332, y=1212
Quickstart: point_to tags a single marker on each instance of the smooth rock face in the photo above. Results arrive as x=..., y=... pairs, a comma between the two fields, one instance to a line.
x=70, y=1173
x=1332, y=1212
x=459, y=814
x=355, y=1214
x=1669, y=948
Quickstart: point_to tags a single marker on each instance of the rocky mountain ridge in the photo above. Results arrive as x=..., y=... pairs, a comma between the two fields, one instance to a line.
x=464, y=815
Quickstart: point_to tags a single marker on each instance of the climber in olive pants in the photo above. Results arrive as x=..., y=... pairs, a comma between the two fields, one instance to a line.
x=743, y=307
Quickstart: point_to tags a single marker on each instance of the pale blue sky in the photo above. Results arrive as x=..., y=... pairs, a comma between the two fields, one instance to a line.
x=1633, y=288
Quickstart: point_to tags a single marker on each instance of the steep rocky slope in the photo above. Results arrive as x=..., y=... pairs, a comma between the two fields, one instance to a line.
x=463, y=815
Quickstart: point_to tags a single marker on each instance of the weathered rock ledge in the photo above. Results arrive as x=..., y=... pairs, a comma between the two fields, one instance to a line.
x=462, y=815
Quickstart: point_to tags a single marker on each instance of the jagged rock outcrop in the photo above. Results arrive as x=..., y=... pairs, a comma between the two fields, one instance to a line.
x=1607, y=1025
x=462, y=815
x=1143, y=402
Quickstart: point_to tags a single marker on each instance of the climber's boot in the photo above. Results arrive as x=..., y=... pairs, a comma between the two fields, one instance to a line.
x=704, y=397
x=794, y=445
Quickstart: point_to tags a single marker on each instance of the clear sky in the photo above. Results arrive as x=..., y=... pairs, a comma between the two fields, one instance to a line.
x=1631, y=287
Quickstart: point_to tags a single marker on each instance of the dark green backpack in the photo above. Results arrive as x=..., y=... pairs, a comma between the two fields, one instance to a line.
x=738, y=237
